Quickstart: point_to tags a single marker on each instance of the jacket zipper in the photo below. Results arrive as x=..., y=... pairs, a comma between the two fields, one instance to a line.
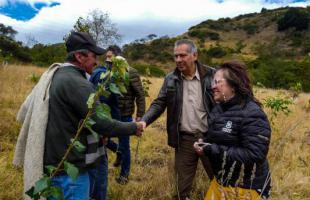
x=180, y=111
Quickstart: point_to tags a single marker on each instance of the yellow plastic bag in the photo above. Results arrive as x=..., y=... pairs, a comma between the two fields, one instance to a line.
x=218, y=192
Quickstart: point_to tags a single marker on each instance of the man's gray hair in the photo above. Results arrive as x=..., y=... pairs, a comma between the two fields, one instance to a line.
x=191, y=46
x=70, y=56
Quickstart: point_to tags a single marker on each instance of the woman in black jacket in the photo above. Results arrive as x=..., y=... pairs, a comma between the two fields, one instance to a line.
x=238, y=138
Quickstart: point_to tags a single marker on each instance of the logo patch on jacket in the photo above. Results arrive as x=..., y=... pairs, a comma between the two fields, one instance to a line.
x=227, y=127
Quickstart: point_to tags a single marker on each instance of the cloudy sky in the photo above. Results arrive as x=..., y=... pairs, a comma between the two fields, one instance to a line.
x=49, y=20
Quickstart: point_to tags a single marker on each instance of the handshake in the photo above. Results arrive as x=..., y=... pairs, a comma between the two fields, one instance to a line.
x=141, y=125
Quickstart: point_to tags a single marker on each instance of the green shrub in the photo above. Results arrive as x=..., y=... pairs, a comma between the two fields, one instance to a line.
x=204, y=57
x=250, y=28
x=203, y=34
x=239, y=46
x=151, y=70
x=278, y=73
x=294, y=18
x=277, y=105
x=213, y=35
x=146, y=86
x=263, y=10
x=45, y=55
x=217, y=52
x=295, y=89
x=215, y=25
x=34, y=77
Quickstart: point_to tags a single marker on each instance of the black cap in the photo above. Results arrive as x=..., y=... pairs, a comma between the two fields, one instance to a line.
x=82, y=40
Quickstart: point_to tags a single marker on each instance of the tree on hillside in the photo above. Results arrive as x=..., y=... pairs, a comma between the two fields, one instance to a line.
x=100, y=26
x=81, y=25
x=44, y=55
x=151, y=36
x=11, y=50
x=294, y=17
x=7, y=31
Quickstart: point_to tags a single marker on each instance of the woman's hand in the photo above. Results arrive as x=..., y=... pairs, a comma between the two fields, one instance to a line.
x=199, y=146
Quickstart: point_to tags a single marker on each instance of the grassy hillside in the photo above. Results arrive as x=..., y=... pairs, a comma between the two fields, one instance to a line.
x=152, y=167
x=273, y=43
x=239, y=37
x=245, y=33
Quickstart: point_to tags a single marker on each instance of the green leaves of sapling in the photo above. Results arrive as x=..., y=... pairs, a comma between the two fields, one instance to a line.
x=50, y=169
x=122, y=88
x=31, y=194
x=126, y=79
x=103, y=111
x=89, y=123
x=104, y=77
x=90, y=101
x=53, y=192
x=114, y=88
x=78, y=146
x=120, y=75
x=103, y=92
x=42, y=184
x=71, y=170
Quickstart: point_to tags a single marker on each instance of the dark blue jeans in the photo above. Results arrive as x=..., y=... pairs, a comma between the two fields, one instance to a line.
x=124, y=148
x=72, y=190
x=99, y=180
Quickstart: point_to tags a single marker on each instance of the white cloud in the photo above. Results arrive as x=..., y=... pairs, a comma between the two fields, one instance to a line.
x=135, y=18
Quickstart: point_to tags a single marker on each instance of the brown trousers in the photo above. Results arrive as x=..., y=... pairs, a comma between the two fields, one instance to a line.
x=186, y=161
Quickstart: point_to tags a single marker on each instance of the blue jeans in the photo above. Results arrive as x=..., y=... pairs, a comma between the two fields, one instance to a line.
x=99, y=180
x=124, y=148
x=72, y=190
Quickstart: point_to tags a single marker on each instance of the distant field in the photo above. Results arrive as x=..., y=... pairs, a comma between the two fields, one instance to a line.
x=152, y=166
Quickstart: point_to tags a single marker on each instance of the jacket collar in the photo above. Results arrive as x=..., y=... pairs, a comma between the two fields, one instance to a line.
x=68, y=64
x=237, y=100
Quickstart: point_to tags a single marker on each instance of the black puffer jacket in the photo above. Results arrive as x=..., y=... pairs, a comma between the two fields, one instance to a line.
x=240, y=136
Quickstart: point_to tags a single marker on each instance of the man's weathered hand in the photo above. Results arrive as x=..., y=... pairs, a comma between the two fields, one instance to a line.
x=140, y=128
x=143, y=124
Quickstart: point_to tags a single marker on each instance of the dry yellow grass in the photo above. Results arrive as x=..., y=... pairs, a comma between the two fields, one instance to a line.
x=152, y=168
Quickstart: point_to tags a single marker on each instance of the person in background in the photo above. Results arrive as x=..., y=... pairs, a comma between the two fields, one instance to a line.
x=238, y=138
x=133, y=98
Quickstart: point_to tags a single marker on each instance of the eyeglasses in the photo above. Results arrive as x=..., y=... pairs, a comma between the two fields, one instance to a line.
x=215, y=82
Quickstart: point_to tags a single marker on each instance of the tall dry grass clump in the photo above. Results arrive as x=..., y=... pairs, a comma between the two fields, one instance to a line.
x=152, y=165
x=15, y=84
